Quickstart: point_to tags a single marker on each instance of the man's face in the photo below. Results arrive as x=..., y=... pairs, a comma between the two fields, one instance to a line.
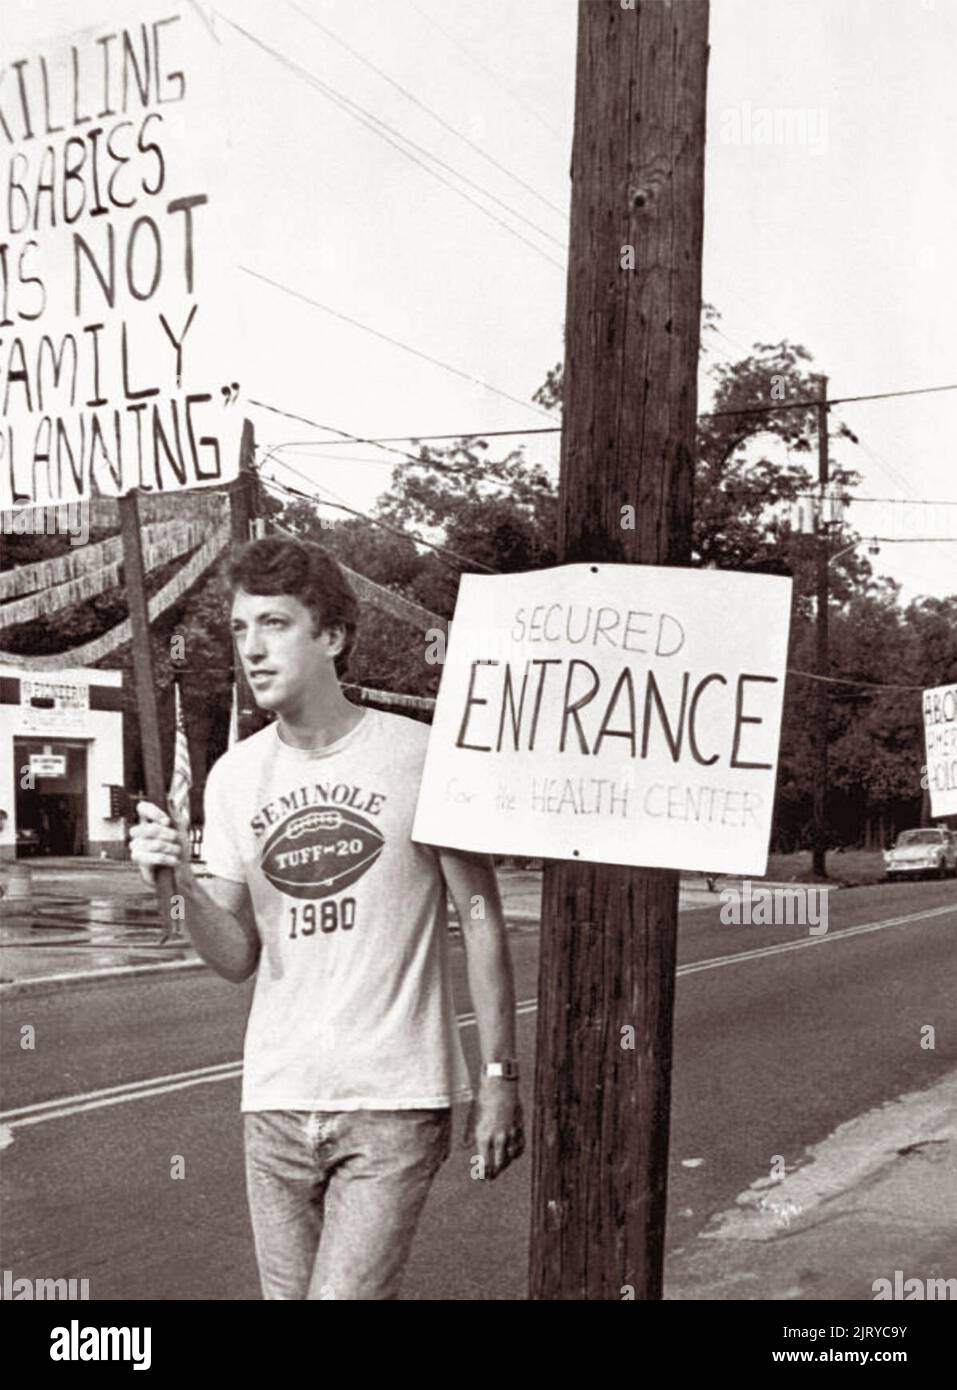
x=281, y=655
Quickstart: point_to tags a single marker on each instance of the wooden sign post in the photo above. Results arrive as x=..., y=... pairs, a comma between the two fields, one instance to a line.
x=240, y=515
x=607, y=964
x=145, y=679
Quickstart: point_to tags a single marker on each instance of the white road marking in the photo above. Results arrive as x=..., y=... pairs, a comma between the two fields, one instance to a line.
x=64, y=1106
x=209, y=1073
x=805, y=941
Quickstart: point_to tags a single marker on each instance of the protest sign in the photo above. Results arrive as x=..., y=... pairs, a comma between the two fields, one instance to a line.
x=940, y=738
x=114, y=328
x=625, y=714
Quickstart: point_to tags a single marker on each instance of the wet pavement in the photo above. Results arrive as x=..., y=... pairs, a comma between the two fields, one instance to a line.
x=93, y=915
x=81, y=916
x=96, y=915
x=66, y=932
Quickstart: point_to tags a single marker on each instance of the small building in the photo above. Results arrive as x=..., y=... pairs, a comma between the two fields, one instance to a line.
x=61, y=761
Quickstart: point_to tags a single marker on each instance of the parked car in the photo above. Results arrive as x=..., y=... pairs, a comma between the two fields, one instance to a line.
x=932, y=851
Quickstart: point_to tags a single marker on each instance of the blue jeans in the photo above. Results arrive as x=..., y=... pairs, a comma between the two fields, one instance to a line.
x=335, y=1196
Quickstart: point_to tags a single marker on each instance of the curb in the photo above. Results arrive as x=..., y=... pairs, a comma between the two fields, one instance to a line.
x=53, y=984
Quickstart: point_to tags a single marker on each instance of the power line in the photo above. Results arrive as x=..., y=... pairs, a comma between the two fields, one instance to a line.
x=315, y=444
x=713, y=327
x=889, y=469
x=557, y=429
x=311, y=445
x=394, y=342
x=491, y=73
x=372, y=520
x=373, y=123
x=511, y=434
x=410, y=96
x=791, y=670
x=836, y=400
x=417, y=438
x=275, y=486
x=911, y=501
x=344, y=434
x=308, y=453
x=887, y=395
x=851, y=499
x=863, y=540
x=382, y=442
x=838, y=680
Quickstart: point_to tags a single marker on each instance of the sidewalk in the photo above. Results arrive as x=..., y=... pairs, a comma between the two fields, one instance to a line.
x=876, y=1201
x=95, y=917
x=84, y=918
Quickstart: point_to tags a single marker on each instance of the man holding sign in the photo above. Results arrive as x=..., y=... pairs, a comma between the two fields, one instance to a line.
x=352, y=1057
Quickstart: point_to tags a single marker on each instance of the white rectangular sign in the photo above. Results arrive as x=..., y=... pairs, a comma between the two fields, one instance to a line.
x=940, y=739
x=55, y=694
x=625, y=714
x=63, y=707
x=115, y=354
x=48, y=764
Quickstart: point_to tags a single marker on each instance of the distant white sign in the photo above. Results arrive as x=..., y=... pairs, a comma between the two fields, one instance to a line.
x=114, y=361
x=48, y=764
x=51, y=707
x=625, y=714
x=940, y=737
x=55, y=694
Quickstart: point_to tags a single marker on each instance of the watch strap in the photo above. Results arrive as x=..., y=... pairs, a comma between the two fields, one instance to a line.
x=506, y=1068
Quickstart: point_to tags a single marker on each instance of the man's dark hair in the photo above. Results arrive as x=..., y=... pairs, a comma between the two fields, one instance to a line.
x=277, y=565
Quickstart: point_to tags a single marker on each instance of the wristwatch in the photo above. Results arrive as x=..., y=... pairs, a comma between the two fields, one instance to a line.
x=506, y=1068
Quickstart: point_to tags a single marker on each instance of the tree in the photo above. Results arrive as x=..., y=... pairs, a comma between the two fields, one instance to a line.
x=743, y=486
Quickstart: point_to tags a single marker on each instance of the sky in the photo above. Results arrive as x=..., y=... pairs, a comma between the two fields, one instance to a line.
x=840, y=234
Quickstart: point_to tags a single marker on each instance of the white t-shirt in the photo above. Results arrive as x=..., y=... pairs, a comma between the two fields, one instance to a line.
x=352, y=1008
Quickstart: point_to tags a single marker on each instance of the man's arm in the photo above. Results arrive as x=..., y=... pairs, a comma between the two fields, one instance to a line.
x=218, y=914
x=497, y=1115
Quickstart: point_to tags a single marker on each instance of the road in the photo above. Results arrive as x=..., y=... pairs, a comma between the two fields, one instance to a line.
x=779, y=1038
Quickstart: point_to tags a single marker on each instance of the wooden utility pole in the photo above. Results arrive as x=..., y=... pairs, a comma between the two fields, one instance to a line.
x=600, y=1159
x=240, y=515
x=146, y=708
x=819, y=837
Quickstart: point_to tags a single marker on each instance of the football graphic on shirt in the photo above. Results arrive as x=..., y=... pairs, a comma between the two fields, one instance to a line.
x=315, y=853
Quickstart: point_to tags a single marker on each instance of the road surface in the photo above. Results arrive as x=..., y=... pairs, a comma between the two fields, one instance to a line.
x=780, y=1037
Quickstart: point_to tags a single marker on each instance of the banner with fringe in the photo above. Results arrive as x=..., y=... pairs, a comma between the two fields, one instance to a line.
x=91, y=652
x=368, y=591
x=25, y=610
x=422, y=704
x=103, y=513
x=162, y=541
